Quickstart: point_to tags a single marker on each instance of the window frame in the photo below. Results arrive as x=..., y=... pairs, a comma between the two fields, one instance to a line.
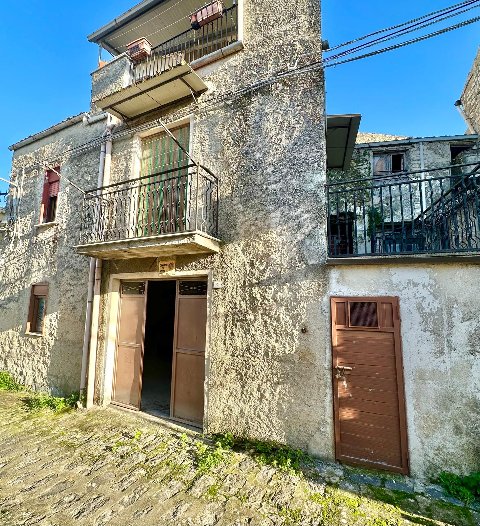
x=37, y=291
x=390, y=154
x=49, y=203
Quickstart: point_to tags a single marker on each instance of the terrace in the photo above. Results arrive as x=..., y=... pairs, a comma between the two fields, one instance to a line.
x=422, y=212
x=162, y=69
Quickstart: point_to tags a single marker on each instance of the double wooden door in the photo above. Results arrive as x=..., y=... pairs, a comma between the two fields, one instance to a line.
x=369, y=402
x=188, y=364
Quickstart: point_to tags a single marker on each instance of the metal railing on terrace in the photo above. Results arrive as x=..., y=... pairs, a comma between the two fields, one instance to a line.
x=424, y=212
x=190, y=45
x=177, y=200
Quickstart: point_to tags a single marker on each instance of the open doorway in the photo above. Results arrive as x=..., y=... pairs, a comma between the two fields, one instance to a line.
x=159, y=363
x=158, y=348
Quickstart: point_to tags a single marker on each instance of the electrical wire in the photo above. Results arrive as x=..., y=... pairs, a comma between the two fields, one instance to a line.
x=403, y=32
x=403, y=44
x=147, y=21
x=359, y=39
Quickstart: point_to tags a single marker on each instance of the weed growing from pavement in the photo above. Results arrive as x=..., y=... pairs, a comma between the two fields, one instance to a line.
x=280, y=456
x=57, y=404
x=465, y=488
x=8, y=383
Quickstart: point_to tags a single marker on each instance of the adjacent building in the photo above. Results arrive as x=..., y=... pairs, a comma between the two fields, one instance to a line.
x=469, y=102
x=179, y=250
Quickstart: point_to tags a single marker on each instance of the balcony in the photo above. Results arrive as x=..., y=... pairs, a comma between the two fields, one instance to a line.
x=173, y=212
x=130, y=89
x=435, y=212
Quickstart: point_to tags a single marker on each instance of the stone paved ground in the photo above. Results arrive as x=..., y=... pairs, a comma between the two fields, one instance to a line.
x=107, y=467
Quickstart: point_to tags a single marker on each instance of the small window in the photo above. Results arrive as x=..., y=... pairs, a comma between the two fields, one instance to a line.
x=38, y=306
x=388, y=163
x=51, y=187
x=363, y=314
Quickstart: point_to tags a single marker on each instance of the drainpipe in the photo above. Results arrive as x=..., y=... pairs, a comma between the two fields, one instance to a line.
x=89, y=356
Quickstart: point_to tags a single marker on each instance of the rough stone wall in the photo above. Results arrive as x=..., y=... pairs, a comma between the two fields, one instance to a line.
x=471, y=95
x=50, y=362
x=441, y=355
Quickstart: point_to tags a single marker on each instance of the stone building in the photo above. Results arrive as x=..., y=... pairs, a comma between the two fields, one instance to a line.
x=469, y=102
x=172, y=252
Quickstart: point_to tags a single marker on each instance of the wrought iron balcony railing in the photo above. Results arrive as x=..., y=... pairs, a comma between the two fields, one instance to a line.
x=190, y=45
x=178, y=200
x=424, y=212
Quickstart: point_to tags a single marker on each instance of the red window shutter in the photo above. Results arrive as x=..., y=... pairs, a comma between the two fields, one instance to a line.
x=54, y=182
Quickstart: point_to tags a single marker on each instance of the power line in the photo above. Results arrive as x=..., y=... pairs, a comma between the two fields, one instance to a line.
x=148, y=21
x=404, y=31
x=403, y=44
x=359, y=39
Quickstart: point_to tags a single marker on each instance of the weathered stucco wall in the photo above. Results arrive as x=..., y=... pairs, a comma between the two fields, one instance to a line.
x=441, y=355
x=471, y=95
x=50, y=362
x=265, y=377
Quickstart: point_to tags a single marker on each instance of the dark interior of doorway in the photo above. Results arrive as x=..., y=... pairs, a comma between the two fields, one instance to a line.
x=158, y=348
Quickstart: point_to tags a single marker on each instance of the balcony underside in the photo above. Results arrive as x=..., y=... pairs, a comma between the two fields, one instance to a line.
x=181, y=244
x=178, y=83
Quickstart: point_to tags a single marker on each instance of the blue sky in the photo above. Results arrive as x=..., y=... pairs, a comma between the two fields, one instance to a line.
x=47, y=62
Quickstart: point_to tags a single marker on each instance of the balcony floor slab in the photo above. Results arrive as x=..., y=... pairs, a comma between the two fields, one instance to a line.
x=185, y=243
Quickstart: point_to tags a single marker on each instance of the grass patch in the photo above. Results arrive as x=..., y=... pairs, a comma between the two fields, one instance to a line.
x=465, y=488
x=57, y=404
x=208, y=457
x=280, y=456
x=8, y=383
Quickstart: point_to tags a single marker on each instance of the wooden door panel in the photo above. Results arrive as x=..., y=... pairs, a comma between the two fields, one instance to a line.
x=349, y=357
x=189, y=355
x=189, y=380
x=366, y=406
x=127, y=386
x=192, y=320
x=363, y=429
x=131, y=327
x=370, y=395
x=370, y=370
x=370, y=421
x=381, y=458
x=129, y=350
x=357, y=381
x=351, y=415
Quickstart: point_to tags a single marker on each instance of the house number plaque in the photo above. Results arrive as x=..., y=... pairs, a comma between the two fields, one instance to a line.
x=166, y=266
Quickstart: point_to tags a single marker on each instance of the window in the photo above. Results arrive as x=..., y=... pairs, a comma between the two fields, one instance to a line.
x=51, y=186
x=388, y=163
x=37, y=310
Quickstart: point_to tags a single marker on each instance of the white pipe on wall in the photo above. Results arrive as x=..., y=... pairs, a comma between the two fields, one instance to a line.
x=89, y=353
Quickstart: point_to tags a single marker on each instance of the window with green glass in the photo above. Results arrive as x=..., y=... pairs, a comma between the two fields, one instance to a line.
x=163, y=198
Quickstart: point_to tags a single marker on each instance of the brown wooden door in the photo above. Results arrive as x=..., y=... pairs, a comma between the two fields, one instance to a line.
x=369, y=402
x=129, y=353
x=189, y=352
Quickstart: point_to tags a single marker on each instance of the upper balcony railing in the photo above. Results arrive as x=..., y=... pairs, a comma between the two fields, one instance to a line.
x=174, y=201
x=423, y=212
x=190, y=45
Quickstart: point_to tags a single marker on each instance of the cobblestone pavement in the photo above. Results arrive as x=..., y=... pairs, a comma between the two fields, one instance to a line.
x=109, y=467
